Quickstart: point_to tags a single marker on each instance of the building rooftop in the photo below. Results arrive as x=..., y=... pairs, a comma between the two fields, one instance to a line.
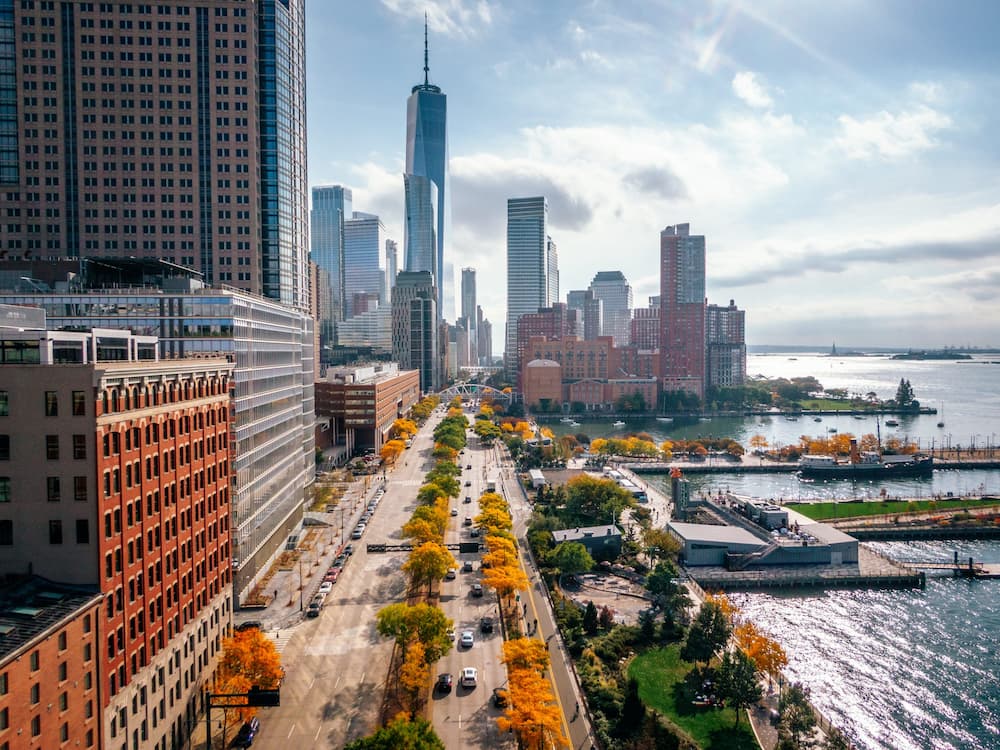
x=825, y=533
x=585, y=532
x=31, y=606
x=543, y=363
x=703, y=532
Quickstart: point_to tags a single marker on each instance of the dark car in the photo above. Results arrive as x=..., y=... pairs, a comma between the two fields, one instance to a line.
x=473, y=533
x=468, y=466
x=486, y=625
x=499, y=698
x=244, y=737
x=477, y=589
x=467, y=566
x=467, y=521
x=468, y=482
x=467, y=499
x=444, y=682
x=349, y=549
x=248, y=625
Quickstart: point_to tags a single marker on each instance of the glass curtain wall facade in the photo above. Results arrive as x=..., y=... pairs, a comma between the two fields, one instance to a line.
x=364, y=272
x=331, y=206
x=614, y=291
x=420, y=225
x=528, y=275
x=272, y=347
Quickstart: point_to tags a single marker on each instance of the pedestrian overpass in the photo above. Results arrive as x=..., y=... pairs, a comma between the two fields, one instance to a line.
x=476, y=392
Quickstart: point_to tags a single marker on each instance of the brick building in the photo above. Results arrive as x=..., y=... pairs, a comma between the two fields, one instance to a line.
x=556, y=322
x=116, y=474
x=726, y=348
x=682, y=310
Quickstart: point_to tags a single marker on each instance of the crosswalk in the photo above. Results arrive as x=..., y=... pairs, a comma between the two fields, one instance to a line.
x=281, y=638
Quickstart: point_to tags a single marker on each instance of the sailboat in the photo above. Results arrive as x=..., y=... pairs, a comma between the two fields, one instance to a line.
x=941, y=423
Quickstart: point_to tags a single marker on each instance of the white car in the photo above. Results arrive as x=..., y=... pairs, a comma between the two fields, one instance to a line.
x=467, y=639
x=468, y=678
x=325, y=588
x=450, y=634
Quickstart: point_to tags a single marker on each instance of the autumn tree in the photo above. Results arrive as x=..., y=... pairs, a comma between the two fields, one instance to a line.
x=505, y=580
x=525, y=653
x=407, y=624
x=428, y=563
x=403, y=428
x=737, y=681
x=413, y=676
x=429, y=493
x=494, y=519
x=434, y=513
x=758, y=442
x=249, y=659
x=487, y=431
x=500, y=551
x=532, y=712
x=392, y=451
x=420, y=530
x=766, y=653
x=402, y=733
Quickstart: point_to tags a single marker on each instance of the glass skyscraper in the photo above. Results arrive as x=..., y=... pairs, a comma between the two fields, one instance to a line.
x=420, y=225
x=531, y=279
x=427, y=156
x=364, y=255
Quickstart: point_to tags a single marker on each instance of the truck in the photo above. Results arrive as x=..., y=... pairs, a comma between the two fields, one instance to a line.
x=493, y=481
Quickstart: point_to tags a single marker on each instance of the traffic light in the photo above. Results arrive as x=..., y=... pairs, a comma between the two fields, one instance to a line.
x=258, y=697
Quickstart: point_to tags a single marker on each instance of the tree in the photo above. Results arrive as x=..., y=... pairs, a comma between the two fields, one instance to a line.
x=413, y=676
x=606, y=618
x=434, y=513
x=571, y=557
x=525, y=653
x=506, y=579
x=532, y=712
x=428, y=563
x=494, y=519
x=590, y=622
x=392, y=450
x=738, y=683
x=429, y=493
x=419, y=622
x=660, y=543
x=596, y=499
x=796, y=718
x=487, y=431
x=904, y=393
x=251, y=654
x=403, y=428
x=420, y=531
x=633, y=712
x=766, y=653
x=758, y=442
x=401, y=733
x=708, y=633
x=835, y=740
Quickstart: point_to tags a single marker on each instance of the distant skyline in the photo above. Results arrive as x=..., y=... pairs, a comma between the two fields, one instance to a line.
x=839, y=159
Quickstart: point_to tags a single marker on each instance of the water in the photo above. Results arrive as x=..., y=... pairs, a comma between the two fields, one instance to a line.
x=897, y=670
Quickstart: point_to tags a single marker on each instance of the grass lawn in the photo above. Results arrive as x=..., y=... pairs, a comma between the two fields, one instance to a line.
x=665, y=683
x=832, y=404
x=826, y=511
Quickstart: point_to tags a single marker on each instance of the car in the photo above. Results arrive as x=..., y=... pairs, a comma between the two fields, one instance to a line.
x=454, y=511
x=499, y=698
x=244, y=737
x=349, y=550
x=313, y=609
x=326, y=587
x=467, y=521
x=468, y=482
x=467, y=499
x=486, y=625
x=249, y=625
x=443, y=684
x=467, y=639
x=477, y=589
x=450, y=575
x=332, y=576
x=358, y=532
x=468, y=466
x=474, y=533
x=450, y=634
x=469, y=675
x=467, y=566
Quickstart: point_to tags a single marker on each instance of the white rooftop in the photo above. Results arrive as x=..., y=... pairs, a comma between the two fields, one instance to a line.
x=704, y=532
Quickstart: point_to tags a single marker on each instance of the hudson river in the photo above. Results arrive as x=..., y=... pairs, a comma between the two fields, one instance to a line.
x=897, y=670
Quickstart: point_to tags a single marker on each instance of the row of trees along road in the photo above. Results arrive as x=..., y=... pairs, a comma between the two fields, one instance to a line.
x=249, y=659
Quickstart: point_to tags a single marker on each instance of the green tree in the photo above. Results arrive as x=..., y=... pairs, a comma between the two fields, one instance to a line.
x=738, y=681
x=796, y=719
x=419, y=622
x=400, y=734
x=571, y=557
x=709, y=632
x=594, y=499
x=428, y=563
x=487, y=431
x=590, y=623
x=835, y=740
x=633, y=713
x=904, y=393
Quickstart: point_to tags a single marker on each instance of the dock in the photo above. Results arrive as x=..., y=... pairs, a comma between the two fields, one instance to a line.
x=970, y=569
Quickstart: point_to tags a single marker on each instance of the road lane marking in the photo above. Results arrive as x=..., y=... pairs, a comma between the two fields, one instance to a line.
x=318, y=730
x=290, y=731
x=337, y=683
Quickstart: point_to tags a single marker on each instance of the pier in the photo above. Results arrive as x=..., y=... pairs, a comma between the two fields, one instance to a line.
x=959, y=569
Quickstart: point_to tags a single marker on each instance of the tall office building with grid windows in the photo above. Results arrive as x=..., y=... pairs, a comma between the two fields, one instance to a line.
x=173, y=130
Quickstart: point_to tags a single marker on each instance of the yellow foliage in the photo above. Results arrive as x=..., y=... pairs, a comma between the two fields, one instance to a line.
x=525, y=653
x=532, y=712
x=414, y=674
x=506, y=579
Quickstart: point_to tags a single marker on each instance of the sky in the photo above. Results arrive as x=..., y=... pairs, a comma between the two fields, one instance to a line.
x=841, y=159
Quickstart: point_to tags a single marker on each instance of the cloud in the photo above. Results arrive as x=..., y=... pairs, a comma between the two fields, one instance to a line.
x=658, y=181
x=981, y=284
x=456, y=18
x=905, y=254
x=891, y=136
x=750, y=90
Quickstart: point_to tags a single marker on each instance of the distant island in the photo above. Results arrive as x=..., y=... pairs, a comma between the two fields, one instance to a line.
x=920, y=355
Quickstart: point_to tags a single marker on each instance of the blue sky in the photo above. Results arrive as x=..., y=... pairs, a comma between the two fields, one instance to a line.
x=840, y=158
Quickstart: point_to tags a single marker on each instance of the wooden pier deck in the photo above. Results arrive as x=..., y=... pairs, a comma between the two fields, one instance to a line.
x=966, y=569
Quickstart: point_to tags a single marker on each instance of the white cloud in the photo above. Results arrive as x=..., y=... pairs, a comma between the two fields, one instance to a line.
x=750, y=90
x=457, y=18
x=891, y=136
x=927, y=91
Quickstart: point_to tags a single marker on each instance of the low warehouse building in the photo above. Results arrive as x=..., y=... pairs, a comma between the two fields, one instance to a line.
x=705, y=544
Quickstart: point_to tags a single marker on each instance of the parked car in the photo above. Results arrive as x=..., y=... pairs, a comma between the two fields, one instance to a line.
x=477, y=589
x=443, y=684
x=314, y=607
x=326, y=587
x=486, y=625
x=358, y=532
x=467, y=639
x=244, y=737
x=249, y=625
x=349, y=550
x=469, y=675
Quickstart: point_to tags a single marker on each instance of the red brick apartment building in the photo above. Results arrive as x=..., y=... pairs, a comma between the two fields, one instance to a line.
x=115, y=474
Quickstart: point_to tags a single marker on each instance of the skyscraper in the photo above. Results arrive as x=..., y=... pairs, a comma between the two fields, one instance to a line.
x=332, y=205
x=469, y=312
x=194, y=153
x=364, y=253
x=530, y=253
x=614, y=291
x=391, y=267
x=682, y=310
x=427, y=157
x=415, y=329
x=485, y=345
x=420, y=225
x=725, y=338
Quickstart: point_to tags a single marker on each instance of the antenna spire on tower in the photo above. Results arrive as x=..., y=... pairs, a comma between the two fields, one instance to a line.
x=426, y=66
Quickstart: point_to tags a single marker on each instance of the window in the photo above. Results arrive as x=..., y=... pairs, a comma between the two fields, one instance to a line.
x=6, y=537
x=82, y=531
x=52, y=447
x=79, y=446
x=52, y=489
x=36, y=726
x=35, y=692
x=51, y=404
x=80, y=489
x=62, y=641
x=4, y=404
x=4, y=721
x=62, y=671
x=4, y=447
x=55, y=532
x=4, y=489
x=63, y=701
x=79, y=404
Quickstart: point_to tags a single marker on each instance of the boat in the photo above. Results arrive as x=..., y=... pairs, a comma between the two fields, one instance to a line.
x=791, y=418
x=619, y=423
x=865, y=464
x=858, y=416
x=941, y=423
x=817, y=419
x=664, y=419
x=892, y=423
x=574, y=424
x=831, y=429
x=566, y=420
